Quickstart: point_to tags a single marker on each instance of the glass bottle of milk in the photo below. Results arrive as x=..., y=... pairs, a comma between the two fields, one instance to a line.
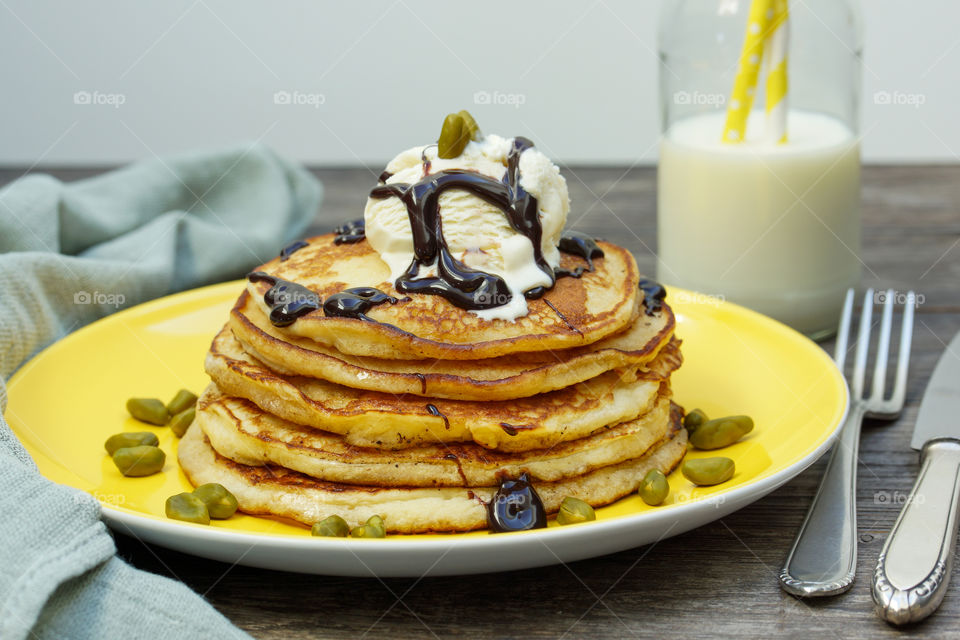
x=775, y=227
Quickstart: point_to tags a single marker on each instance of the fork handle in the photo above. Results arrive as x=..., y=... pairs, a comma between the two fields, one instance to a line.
x=914, y=567
x=823, y=559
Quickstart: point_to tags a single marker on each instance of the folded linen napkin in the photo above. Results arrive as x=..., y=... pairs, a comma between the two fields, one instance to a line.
x=127, y=236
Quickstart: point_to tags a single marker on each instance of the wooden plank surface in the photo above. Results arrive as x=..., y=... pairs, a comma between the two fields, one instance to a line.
x=715, y=581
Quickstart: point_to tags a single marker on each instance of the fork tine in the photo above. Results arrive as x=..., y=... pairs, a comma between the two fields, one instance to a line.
x=843, y=331
x=883, y=348
x=903, y=359
x=863, y=345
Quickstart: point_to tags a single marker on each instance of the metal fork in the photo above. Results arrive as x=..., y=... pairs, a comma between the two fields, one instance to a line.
x=823, y=560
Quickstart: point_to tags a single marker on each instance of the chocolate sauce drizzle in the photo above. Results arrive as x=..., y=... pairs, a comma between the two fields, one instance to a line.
x=516, y=507
x=653, y=295
x=514, y=429
x=350, y=232
x=432, y=410
x=563, y=317
x=456, y=459
x=578, y=244
x=423, y=382
x=425, y=161
x=291, y=249
x=465, y=287
x=355, y=302
x=287, y=300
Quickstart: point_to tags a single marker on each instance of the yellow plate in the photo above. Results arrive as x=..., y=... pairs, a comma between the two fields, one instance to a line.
x=67, y=400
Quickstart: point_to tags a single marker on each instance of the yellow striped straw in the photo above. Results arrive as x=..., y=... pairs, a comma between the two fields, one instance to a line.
x=777, y=73
x=745, y=84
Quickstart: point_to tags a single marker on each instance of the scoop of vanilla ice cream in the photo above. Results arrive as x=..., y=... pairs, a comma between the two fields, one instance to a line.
x=476, y=232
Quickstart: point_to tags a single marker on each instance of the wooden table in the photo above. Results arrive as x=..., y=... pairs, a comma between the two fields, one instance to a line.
x=716, y=581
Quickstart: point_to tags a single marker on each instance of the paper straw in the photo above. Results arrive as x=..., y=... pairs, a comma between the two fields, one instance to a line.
x=776, y=80
x=745, y=84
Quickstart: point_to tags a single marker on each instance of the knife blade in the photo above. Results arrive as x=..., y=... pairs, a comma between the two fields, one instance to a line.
x=914, y=566
x=938, y=410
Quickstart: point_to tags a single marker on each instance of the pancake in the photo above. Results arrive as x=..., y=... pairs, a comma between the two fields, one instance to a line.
x=388, y=421
x=501, y=378
x=574, y=312
x=277, y=491
x=239, y=430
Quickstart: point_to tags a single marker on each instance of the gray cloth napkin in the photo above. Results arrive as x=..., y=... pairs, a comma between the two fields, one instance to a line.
x=69, y=254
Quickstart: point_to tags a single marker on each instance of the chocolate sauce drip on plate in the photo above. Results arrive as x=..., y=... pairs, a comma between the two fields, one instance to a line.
x=465, y=287
x=514, y=429
x=516, y=507
x=287, y=300
x=291, y=249
x=355, y=302
x=432, y=410
x=653, y=295
x=350, y=232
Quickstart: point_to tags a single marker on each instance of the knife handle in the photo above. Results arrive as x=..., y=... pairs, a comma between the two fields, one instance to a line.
x=914, y=566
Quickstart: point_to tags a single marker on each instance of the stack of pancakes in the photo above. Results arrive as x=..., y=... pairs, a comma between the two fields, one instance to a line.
x=416, y=410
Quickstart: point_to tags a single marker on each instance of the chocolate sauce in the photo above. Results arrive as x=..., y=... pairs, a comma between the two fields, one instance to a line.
x=350, y=232
x=384, y=176
x=423, y=382
x=514, y=429
x=432, y=410
x=291, y=249
x=536, y=292
x=287, y=300
x=453, y=456
x=577, y=244
x=516, y=507
x=563, y=317
x=355, y=302
x=425, y=161
x=653, y=295
x=472, y=496
x=465, y=287
x=580, y=244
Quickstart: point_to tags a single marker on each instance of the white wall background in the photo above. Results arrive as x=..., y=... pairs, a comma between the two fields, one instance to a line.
x=200, y=73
